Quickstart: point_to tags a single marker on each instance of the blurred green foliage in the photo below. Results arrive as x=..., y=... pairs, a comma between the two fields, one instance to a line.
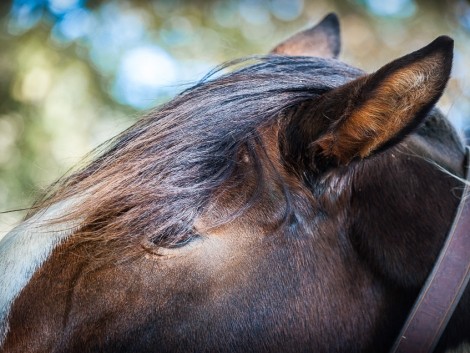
x=73, y=73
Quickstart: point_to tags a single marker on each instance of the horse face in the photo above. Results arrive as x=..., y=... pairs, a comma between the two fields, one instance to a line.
x=319, y=240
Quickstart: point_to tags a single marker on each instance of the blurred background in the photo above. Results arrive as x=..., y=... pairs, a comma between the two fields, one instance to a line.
x=73, y=73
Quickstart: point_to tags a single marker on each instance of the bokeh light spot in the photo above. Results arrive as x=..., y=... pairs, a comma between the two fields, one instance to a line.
x=254, y=11
x=62, y=6
x=287, y=10
x=392, y=8
x=24, y=15
x=74, y=25
x=143, y=74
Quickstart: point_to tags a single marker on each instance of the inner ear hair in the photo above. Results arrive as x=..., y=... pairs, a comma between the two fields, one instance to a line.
x=383, y=107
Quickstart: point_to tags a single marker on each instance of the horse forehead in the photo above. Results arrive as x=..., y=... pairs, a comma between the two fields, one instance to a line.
x=25, y=248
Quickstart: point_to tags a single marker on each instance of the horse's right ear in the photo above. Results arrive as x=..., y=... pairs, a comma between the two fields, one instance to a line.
x=322, y=40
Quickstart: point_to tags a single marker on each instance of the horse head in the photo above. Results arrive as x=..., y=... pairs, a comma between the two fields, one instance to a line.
x=293, y=204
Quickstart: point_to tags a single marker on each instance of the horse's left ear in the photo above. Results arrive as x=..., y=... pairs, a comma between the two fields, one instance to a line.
x=322, y=40
x=375, y=111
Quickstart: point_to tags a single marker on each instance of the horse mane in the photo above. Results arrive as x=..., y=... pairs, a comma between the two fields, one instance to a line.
x=153, y=179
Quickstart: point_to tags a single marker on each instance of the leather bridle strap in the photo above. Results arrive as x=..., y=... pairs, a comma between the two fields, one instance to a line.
x=444, y=286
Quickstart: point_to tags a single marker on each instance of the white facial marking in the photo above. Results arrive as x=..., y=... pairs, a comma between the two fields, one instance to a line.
x=25, y=248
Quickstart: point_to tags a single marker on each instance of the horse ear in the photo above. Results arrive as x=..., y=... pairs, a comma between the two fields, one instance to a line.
x=375, y=111
x=322, y=40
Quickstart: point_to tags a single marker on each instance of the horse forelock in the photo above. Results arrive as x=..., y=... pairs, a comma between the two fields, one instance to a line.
x=155, y=178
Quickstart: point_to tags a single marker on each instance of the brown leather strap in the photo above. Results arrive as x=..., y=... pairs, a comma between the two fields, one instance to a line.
x=443, y=288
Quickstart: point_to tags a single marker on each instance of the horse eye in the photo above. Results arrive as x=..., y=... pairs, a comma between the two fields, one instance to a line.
x=159, y=245
x=187, y=237
x=184, y=241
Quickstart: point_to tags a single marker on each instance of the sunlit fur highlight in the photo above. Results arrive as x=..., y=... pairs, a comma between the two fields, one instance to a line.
x=388, y=107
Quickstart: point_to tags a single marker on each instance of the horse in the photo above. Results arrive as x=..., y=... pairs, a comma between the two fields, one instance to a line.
x=287, y=202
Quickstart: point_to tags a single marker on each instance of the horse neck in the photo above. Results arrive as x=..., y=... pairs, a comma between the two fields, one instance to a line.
x=401, y=209
x=400, y=221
